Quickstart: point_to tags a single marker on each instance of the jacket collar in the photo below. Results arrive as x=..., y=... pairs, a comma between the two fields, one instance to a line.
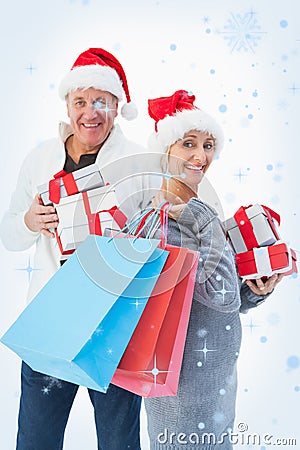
x=65, y=131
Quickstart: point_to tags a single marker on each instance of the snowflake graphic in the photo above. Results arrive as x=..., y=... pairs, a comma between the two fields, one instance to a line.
x=240, y=174
x=30, y=69
x=204, y=350
x=45, y=390
x=282, y=104
x=242, y=32
x=294, y=89
x=29, y=269
x=155, y=371
x=251, y=325
x=205, y=20
x=222, y=291
x=50, y=382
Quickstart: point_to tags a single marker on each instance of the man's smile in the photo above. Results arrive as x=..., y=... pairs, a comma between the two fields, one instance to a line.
x=91, y=125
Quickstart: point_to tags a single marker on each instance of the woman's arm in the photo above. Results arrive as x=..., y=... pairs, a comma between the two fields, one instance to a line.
x=217, y=284
x=255, y=292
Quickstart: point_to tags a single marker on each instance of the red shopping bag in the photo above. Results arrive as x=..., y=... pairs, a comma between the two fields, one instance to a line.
x=137, y=355
x=158, y=375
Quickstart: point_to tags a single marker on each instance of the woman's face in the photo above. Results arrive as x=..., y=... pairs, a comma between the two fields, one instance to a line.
x=191, y=156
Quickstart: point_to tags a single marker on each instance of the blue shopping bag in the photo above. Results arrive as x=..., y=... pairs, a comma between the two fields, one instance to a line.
x=78, y=326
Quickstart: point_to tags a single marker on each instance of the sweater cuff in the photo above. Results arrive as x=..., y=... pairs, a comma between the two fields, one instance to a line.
x=15, y=235
x=250, y=299
x=197, y=211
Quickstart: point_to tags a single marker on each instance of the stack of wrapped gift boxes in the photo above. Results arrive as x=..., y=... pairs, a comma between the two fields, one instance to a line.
x=253, y=233
x=84, y=205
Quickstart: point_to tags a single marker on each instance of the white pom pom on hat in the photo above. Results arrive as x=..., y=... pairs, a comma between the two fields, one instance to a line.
x=99, y=69
x=129, y=111
x=174, y=116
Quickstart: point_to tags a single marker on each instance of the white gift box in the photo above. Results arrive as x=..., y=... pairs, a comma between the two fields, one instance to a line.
x=73, y=226
x=71, y=237
x=87, y=178
x=261, y=232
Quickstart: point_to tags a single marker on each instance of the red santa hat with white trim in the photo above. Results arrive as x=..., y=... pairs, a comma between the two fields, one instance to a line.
x=99, y=69
x=176, y=115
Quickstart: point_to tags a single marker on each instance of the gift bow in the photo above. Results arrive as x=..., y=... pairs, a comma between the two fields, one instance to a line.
x=94, y=218
x=246, y=228
x=54, y=185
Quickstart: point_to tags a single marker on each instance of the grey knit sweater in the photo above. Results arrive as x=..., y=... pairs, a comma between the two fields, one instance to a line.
x=201, y=416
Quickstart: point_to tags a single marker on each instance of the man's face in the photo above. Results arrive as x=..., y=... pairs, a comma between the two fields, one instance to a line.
x=92, y=113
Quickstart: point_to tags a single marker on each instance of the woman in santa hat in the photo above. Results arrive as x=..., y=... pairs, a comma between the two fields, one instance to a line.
x=202, y=413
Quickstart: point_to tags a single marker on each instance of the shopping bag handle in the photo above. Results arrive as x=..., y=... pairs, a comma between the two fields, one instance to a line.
x=147, y=220
x=144, y=222
x=164, y=221
x=158, y=214
x=130, y=229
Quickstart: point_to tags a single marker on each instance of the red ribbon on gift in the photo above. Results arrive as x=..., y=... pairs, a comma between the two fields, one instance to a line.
x=62, y=251
x=280, y=259
x=246, y=228
x=272, y=215
x=94, y=221
x=94, y=218
x=54, y=185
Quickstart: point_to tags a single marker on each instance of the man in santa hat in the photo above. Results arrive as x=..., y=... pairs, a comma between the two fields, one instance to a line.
x=92, y=91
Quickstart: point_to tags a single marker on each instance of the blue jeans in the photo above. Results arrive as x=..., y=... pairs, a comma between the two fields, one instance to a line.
x=45, y=405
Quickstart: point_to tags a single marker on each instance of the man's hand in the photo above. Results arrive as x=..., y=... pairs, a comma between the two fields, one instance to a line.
x=41, y=218
x=262, y=288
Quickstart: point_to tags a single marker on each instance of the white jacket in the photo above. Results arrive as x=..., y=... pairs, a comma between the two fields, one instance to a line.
x=121, y=163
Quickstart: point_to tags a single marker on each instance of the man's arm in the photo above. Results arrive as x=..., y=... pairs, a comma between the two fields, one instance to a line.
x=26, y=217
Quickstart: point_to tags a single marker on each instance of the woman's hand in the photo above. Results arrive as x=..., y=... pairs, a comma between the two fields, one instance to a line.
x=259, y=287
x=175, y=209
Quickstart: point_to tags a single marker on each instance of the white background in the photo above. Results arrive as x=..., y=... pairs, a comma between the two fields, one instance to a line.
x=244, y=55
